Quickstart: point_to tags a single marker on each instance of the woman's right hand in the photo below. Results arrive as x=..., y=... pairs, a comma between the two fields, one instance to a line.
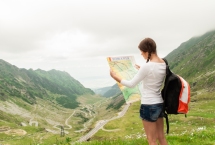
x=137, y=66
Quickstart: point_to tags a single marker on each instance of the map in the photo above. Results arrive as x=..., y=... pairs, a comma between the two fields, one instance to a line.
x=124, y=66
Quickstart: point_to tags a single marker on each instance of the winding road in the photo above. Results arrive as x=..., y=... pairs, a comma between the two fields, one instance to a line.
x=102, y=123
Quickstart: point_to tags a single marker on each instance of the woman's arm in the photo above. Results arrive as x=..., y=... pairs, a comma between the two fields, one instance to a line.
x=118, y=78
x=141, y=74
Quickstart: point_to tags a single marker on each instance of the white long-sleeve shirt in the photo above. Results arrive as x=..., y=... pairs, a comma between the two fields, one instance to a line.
x=151, y=76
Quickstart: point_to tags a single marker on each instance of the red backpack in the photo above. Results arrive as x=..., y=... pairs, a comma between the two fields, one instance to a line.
x=176, y=94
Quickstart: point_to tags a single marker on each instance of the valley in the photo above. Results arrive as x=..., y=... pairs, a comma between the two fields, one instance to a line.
x=46, y=120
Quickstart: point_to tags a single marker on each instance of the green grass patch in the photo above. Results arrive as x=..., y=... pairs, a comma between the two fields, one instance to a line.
x=205, y=137
x=198, y=128
x=201, y=118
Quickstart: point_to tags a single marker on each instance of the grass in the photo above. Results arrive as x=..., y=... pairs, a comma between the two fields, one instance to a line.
x=49, y=114
x=198, y=128
x=198, y=138
x=87, y=99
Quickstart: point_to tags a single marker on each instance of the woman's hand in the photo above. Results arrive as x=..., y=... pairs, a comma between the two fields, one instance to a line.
x=114, y=76
x=137, y=66
x=112, y=73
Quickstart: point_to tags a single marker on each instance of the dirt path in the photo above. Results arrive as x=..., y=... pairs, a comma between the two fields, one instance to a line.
x=32, y=121
x=19, y=132
x=108, y=130
x=66, y=121
x=101, y=123
x=9, y=131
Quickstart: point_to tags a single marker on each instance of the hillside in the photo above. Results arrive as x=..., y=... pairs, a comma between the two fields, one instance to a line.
x=52, y=85
x=35, y=105
x=108, y=91
x=101, y=91
x=195, y=61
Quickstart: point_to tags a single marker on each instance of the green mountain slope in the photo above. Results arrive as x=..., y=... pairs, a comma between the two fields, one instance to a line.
x=101, y=91
x=28, y=84
x=114, y=90
x=195, y=61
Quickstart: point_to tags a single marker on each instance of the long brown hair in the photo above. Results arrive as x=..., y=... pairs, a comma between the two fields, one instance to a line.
x=148, y=45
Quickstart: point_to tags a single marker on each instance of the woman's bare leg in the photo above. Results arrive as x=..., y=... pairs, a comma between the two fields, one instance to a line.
x=160, y=132
x=154, y=131
x=151, y=132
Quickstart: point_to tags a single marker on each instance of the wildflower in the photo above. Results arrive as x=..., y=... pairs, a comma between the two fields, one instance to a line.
x=201, y=128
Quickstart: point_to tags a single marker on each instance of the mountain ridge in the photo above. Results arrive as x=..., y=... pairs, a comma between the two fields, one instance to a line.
x=28, y=84
x=194, y=60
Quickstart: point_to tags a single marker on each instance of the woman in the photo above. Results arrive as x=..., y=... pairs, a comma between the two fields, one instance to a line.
x=152, y=74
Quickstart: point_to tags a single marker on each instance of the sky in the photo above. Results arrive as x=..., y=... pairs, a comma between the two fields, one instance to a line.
x=76, y=36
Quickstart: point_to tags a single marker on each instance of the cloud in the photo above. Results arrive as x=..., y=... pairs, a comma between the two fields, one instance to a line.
x=76, y=35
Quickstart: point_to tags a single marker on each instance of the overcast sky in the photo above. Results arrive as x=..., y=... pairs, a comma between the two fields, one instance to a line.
x=76, y=36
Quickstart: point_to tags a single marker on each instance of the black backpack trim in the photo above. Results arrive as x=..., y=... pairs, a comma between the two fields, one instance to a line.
x=168, y=73
x=170, y=94
x=171, y=81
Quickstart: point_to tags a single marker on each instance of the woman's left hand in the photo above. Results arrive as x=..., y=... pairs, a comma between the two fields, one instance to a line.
x=114, y=76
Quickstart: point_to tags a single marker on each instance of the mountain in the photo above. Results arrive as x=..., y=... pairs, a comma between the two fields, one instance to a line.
x=37, y=104
x=101, y=91
x=114, y=94
x=195, y=61
x=52, y=85
x=114, y=90
x=116, y=102
x=109, y=91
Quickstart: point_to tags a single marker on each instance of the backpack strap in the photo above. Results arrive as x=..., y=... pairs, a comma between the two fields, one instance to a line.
x=168, y=72
x=165, y=61
x=167, y=122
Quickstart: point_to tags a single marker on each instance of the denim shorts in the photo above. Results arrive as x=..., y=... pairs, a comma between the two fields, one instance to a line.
x=151, y=112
